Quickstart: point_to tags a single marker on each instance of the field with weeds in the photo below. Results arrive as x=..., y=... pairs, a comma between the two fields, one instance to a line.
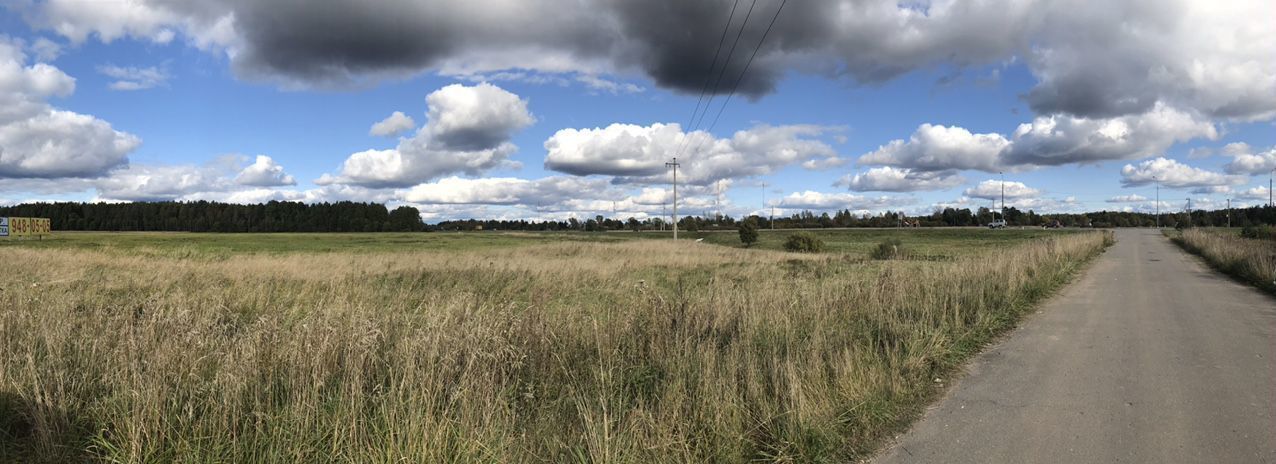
x=1251, y=260
x=495, y=347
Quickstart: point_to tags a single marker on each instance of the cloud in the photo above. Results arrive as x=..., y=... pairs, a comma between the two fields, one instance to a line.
x=1046, y=141
x=1039, y=205
x=264, y=172
x=1212, y=190
x=992, y=189
x=159, y=183
x=607, y=85
x=1057, y=140
x=467, y=130
x=503, y=191
x=1173, y=174
x=1119, y=58
x=838, y=201
x=1256, y=193
x=1125, y=57
x=941, y=148
x=1135, y=198
x=40, y=141
x=131, y=78
x=46, y=50
x=475, y=117
x=394, y=124
x=1245, y=161
x=889, y=179
x=637, y=154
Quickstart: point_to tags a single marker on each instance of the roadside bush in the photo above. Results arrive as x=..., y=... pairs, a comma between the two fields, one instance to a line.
x=803, y=242
x=1260, y=232
x=891, y=248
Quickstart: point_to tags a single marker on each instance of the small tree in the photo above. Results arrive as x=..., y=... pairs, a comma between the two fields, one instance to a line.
x=748, y=233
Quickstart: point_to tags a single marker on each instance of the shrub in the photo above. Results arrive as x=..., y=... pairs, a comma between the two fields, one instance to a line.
x=890, y=248
x=1260, y=232
x=803, y=242
x=748, y=233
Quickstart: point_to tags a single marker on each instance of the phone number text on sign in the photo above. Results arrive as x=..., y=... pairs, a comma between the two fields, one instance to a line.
x=26, y=227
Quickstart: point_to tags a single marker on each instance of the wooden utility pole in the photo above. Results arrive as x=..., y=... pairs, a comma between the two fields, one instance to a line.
x=674, y=164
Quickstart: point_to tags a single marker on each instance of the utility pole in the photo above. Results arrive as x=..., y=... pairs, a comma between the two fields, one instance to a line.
x=674, y=164
x=764, y=198
x=773, y=213
x=662, y=216
x=1158, y=202
x=1229, y=213
x=1189, y=211
x=1003, y=196
x=1269, y=187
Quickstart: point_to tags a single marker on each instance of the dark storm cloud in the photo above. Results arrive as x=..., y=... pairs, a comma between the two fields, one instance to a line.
x=1093, y=60
x=676, y=41
x=331, y=41
x=339, y=41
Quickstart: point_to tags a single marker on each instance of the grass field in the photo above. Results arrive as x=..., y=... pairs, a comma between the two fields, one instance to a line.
x=495, y=347
x=925, y=242
x=1252, y=261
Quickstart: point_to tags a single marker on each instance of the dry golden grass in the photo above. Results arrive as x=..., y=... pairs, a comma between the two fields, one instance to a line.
x=628, y=352
x=1247, y=259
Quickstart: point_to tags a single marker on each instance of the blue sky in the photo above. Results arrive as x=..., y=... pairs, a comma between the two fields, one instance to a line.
x=145, y=101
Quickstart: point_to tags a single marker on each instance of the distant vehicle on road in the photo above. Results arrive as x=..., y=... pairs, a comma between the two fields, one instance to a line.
x=998, y=224
x=1052, y=225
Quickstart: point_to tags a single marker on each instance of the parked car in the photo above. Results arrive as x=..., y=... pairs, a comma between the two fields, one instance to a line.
x=1052, y=225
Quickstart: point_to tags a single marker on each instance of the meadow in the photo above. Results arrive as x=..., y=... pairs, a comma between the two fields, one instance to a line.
x=496, y=347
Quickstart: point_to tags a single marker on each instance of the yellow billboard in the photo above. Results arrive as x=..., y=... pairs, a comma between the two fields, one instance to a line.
x=24, y=227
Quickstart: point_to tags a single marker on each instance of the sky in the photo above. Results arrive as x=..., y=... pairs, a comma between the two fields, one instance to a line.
x=550, y=109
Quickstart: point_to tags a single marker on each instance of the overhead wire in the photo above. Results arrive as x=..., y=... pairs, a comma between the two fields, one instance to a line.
x=717, y=82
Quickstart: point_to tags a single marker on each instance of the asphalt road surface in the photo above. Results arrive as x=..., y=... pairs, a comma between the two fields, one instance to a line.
x=1148, y=357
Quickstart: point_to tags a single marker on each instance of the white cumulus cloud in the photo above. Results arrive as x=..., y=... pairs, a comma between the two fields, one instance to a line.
x=264, y=172
x=1174, y=174
x=992, y=189
x=890, y=179
x=637, y=154
x=394, y=124
x=40, y=141
x=467, y=131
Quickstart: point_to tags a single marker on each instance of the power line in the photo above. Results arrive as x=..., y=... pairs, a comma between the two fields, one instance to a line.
x=712, y=94
x=740, y=78
x=714, y=64
x=746, y=65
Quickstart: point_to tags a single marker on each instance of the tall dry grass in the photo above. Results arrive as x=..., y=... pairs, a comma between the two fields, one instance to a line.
x=1247, y=259
x=630, y=352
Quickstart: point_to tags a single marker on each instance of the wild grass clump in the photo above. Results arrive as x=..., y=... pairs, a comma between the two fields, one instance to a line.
x=1251, y=260
x=891, y=248
x=626, y=352
x=803, y=242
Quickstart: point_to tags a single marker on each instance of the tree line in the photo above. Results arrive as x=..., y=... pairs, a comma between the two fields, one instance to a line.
x=207, y=216
x=345, y=216
x=947, y=217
